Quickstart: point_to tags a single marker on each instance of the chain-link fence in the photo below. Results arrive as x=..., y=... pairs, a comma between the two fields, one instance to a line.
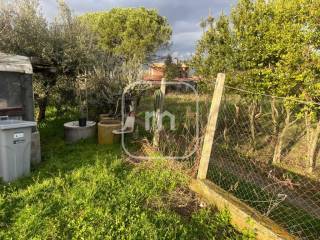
x=266, y=153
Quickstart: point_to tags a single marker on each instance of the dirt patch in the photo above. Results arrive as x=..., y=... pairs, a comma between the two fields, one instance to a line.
x=133, y=161
x=182, y=201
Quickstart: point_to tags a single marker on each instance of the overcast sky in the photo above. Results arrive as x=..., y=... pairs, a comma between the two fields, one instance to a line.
x=183, y=15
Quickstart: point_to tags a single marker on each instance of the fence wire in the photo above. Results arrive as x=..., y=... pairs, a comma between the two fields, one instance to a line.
x=266, y=153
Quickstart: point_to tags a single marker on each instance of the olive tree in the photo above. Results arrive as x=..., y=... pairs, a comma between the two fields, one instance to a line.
x=65, y=45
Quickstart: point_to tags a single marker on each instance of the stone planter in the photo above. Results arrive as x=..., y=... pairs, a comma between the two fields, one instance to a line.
x=74, y=133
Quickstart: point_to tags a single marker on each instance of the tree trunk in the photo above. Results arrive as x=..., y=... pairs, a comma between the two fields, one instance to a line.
x=252, y=114
x=280, y=139
x=275, y=117
x=43, y=103
x=278, y=148
x=312, y=139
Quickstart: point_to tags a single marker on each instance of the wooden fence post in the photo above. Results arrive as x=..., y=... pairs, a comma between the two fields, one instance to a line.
x=163, y=86
x=158, y=114
x=211, y=127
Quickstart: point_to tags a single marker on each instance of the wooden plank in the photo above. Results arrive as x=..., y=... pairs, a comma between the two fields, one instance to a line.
x=11, y=111
x=243, y=217
x=211, y=127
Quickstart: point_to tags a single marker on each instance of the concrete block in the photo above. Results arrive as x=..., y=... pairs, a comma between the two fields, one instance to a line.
x=35, y=148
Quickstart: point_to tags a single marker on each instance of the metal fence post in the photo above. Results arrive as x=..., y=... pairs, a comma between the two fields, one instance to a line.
x=211, y=127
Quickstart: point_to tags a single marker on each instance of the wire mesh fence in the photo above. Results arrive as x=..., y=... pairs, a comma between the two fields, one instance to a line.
x=266, y=153
x=181, y=140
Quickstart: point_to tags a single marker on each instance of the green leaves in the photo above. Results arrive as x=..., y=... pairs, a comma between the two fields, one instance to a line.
x=215, y=51
x=267, y=46
x=130, y=32
x=172, y=70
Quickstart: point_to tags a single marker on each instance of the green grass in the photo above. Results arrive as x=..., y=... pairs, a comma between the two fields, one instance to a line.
x=87, y=191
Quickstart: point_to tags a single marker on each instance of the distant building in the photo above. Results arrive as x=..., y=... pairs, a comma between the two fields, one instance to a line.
x=156, y=72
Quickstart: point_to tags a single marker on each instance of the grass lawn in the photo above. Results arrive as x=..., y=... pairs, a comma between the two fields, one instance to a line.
x=86, y=191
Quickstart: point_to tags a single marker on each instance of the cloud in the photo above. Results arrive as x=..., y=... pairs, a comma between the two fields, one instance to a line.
x=183, y=15
x=185, y=41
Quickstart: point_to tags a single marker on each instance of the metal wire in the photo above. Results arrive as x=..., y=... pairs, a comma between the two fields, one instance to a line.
x=281, y=185
x=246, y=160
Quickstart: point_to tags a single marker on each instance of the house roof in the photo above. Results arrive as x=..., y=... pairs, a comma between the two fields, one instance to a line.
x=159, y=79
x=15, y=63
x=162, y=65
x=158, y=65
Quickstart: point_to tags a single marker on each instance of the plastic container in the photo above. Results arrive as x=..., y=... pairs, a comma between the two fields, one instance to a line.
x=105, y=135
x=15, y=149
x=105, y=117
x=82, y=122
